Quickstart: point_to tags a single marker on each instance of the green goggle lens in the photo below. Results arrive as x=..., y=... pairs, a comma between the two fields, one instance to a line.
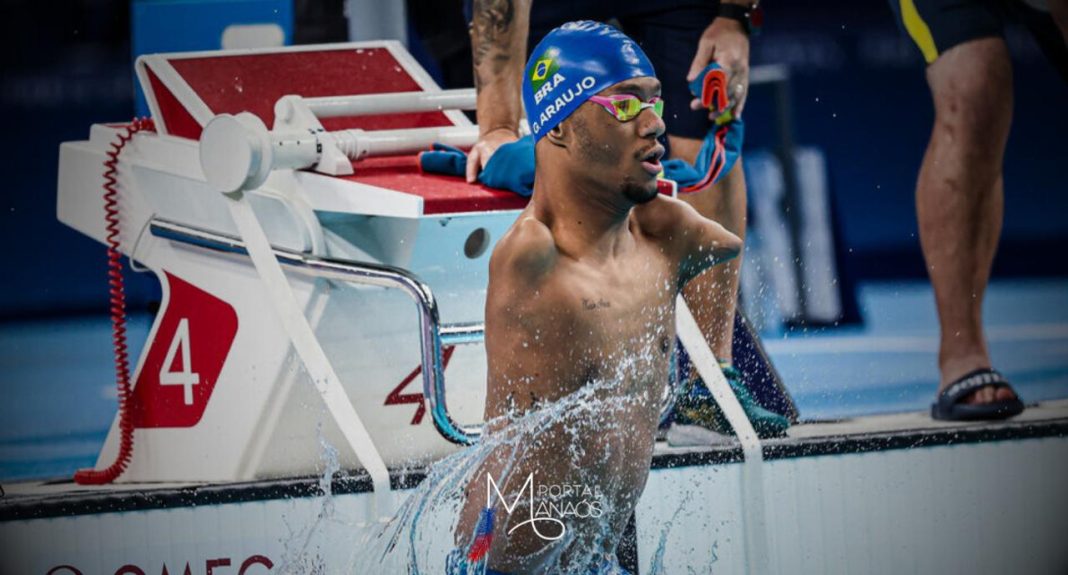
x=658, y=108
x=629, y=108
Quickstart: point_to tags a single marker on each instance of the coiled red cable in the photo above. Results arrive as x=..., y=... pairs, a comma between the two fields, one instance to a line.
x=118, y=309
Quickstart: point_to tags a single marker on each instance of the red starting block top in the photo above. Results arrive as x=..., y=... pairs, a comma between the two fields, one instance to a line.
x=441, y=194
x=186, y=90
x=189, y=89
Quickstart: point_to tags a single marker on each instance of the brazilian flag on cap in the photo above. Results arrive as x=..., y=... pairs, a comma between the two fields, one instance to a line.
x=544, y=68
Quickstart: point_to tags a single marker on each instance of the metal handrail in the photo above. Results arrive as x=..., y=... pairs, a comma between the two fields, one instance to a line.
x=431, y=333
x=393, y=103
x=462, y=333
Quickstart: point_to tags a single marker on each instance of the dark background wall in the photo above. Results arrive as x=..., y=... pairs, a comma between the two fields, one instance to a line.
x=858, y=94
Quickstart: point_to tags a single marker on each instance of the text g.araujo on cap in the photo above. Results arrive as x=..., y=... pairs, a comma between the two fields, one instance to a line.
x=572, y=63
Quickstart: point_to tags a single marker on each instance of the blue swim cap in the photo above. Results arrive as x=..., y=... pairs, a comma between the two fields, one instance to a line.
x=572, y=63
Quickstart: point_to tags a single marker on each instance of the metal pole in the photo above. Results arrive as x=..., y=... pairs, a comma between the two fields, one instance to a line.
x=396, y=103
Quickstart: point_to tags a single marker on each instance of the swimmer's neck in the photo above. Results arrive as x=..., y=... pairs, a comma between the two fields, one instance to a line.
x=584, y=219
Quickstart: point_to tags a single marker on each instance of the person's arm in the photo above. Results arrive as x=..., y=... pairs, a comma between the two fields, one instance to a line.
x=726, y=42
x=706, y=243
x=697, y=242
x=499, y=31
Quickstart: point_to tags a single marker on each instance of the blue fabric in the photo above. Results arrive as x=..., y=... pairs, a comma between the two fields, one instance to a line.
x=700, y=85
x=572, y=63
x=722, y=144
x=719, y=152
x=511, y=167
x=442, y=159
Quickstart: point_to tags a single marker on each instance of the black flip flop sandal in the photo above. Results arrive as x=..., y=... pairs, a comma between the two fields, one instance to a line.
x=948, y=406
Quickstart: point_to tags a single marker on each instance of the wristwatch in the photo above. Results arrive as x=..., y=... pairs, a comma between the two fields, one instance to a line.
x=750, y=16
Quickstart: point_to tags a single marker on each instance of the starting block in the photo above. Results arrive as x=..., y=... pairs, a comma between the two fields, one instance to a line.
x=388, y=265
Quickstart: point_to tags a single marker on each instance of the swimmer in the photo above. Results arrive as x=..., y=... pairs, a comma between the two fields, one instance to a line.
x=584, y=282
x=680, y=39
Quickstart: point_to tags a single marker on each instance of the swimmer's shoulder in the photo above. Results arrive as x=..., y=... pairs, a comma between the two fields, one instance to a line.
x=682, y=232
x=664, y=218
x=527, y=250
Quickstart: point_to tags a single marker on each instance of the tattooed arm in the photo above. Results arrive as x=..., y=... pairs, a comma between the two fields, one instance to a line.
x=499, y=31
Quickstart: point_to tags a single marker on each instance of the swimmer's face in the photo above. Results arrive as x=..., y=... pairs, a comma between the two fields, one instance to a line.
x=623, y=155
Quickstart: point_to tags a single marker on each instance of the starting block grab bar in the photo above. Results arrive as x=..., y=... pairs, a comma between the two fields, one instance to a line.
x=433, y=335
x=374, y=104
x=238, y=152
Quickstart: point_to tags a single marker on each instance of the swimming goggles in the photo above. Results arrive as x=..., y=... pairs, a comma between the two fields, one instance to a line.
x=626, y=107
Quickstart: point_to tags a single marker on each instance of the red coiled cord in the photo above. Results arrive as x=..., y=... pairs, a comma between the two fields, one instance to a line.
x=118, y=309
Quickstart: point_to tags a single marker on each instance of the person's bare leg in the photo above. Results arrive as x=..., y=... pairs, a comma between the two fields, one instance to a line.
x=713, y=295
x=959, y=198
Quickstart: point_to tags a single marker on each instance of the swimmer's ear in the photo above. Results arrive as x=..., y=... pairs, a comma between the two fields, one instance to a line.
x=558, y=136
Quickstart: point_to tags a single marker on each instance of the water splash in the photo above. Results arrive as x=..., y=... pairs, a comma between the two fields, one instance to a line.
x=656, y=565
x=588, y=439
x=301, y=553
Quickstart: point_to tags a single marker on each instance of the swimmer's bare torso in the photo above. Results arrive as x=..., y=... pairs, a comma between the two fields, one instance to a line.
x=599, y=317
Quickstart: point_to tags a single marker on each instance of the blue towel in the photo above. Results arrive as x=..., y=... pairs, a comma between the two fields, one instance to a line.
x=511, y=167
